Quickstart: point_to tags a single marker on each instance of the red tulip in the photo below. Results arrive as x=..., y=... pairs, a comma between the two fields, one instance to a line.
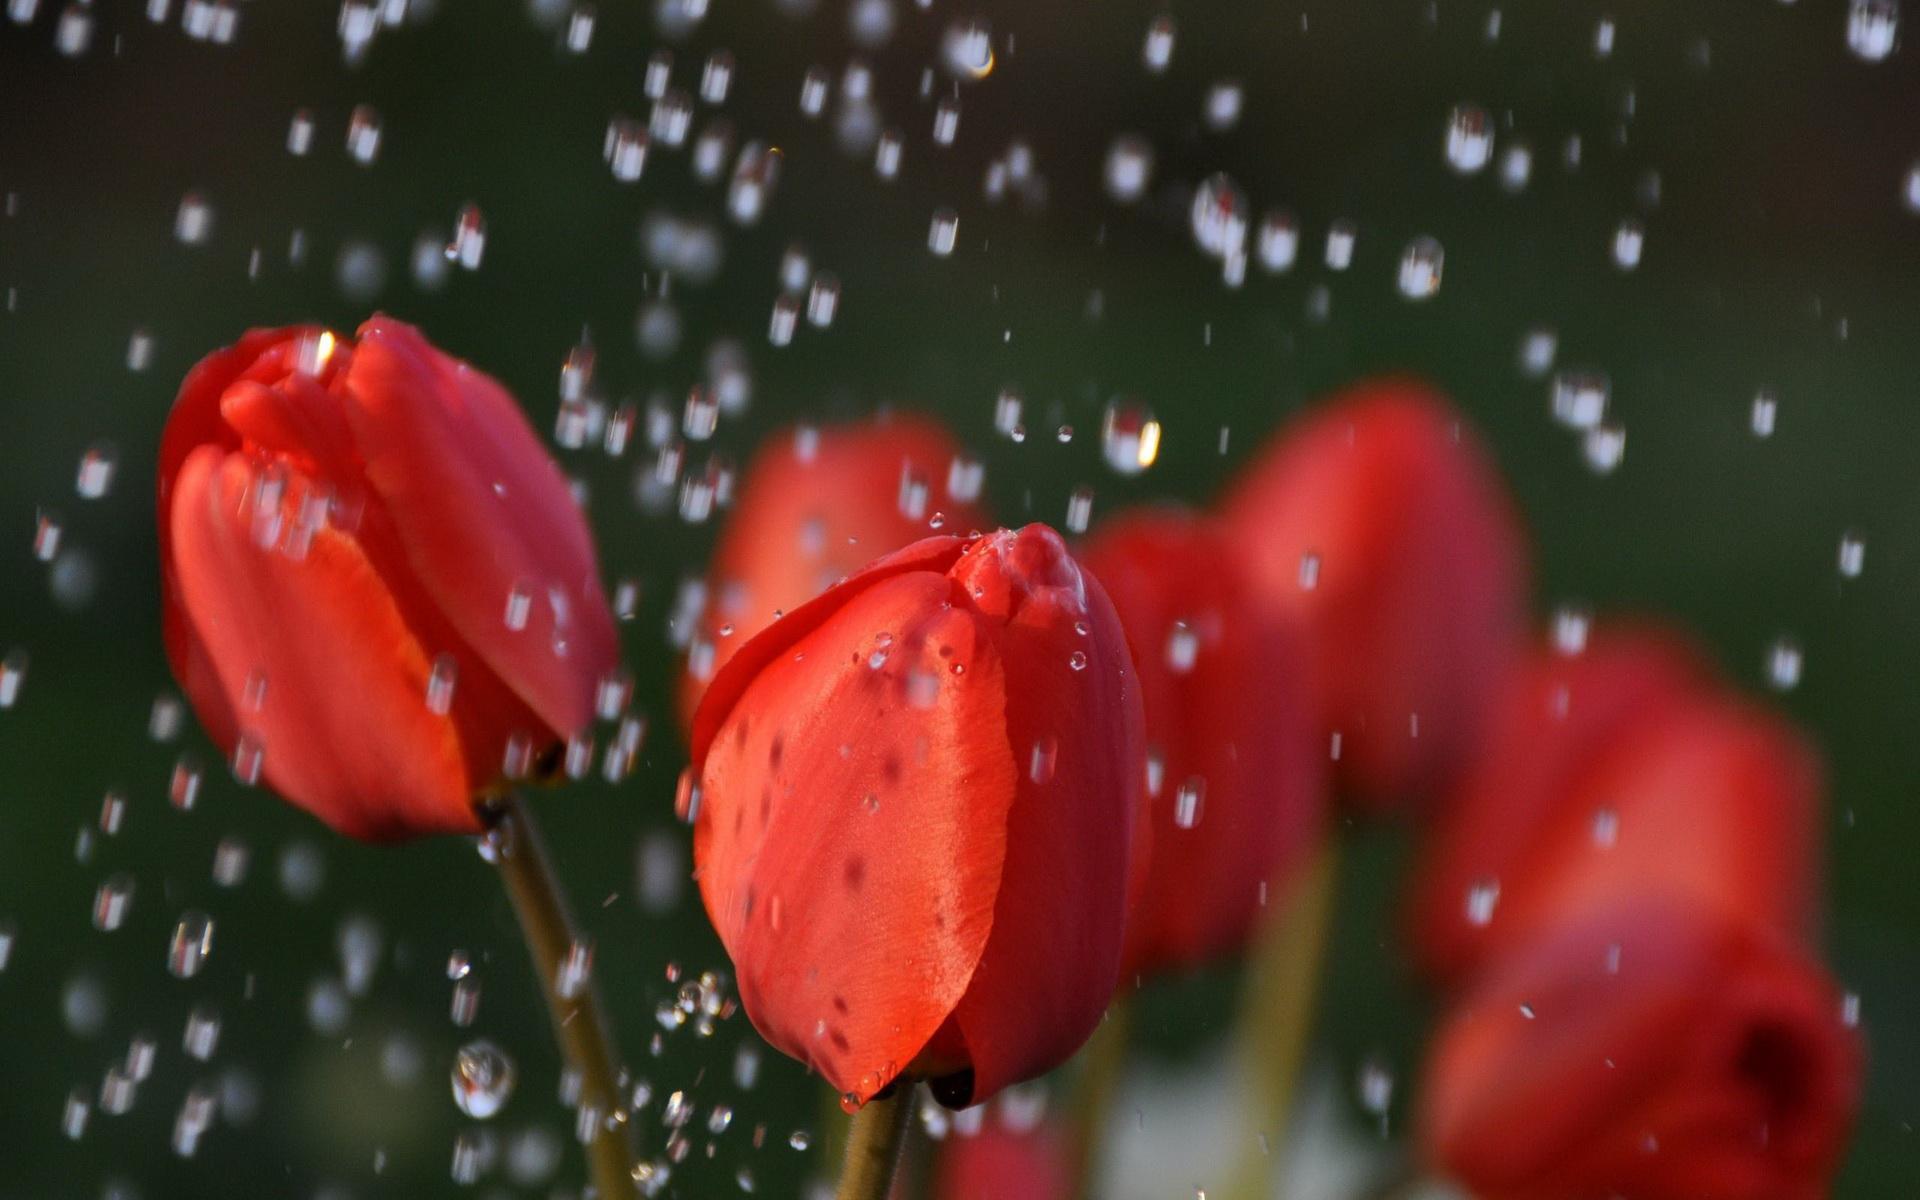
x=916, y=810
x=1646, y=1052
x=1618, y=772
x=1235, y=772
x=378, y=587
x=1378, y=523
x=817, y=505
x=999, y=1163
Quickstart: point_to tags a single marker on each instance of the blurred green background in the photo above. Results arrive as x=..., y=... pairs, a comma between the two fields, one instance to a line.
x=1779, y=254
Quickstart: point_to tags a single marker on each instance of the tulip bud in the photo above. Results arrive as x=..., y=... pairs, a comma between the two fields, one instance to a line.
x=918, y=796
x=1234, y=774
x=378, y=590
x=818, y=504
x=1622, y=771
x=1663, y=1052
x=1377, y=522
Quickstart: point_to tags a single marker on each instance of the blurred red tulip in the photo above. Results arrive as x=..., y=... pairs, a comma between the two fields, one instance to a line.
x=1646, y=1052
x=999, y=1163
x=1378, y=523
x=1619, y=772
x=916, y=808
x=817, y=505
x=378, y=587
x=1235, y=771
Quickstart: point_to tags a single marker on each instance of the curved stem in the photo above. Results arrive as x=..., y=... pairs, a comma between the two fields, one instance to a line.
x=1102, y=1063
x=1277, y=1002
x=876, y=1142
x=517, y=849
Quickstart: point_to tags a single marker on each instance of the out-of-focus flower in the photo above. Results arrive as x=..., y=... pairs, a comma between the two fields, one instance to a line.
x=378, y=591
x=817, y=504
x=1378, y=524
x=1620, y=772
x=1000, y=1163
x=1653, y=1051
x=1235, y=773
x=917, y=797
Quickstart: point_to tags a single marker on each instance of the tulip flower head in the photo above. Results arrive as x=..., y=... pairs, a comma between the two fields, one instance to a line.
x=379, y=593
x=1234, y=774
x=916, y=803
x=1623, y=771
x=817, y=504
x=1377, y=522
x=1657, y=1052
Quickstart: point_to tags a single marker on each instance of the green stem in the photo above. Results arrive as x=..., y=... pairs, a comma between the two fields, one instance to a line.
x=517, y=849
x=1277, y=1002
x=876, y=1142
x=1102, y=1064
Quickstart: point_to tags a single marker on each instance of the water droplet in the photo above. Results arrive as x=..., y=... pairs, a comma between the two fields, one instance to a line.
x=1765, y=414
x=112, y=900
x=1129, y=168
x=96, y=471
x=1853, y=555
x=1341, y=236
x=1579, y=398
x=193, y=224
x=1158, y=51
x=1420, y=268
x=1278, y=242
x=1872, y=28
x=944, y=231
x=1129, y=436
x=192, y=941
x=1482, y=898
x=483, y=1079
x=1079, y=510
x=1629, y=238
x=1189, y=802
x=1469, y=138
x=363, y=134
x=1784, y=664
x=1042, y=760
x=1219, y=216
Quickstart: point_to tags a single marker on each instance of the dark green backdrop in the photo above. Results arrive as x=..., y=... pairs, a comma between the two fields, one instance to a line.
x=1779, y=255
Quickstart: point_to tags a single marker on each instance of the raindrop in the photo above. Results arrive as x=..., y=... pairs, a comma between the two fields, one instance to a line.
x=183, y=787
x=13, y=673
x=1129, y=436
x=1189, y=801
x=202, y=1034
x=1783, y=665
x=1604, y=446
x=1278, y=242
x=192, y=941
x=1219, y=216
x=1042, y=760
x=716, y=77
x=1130, y=167
x=1158, y=51
x=1469, y=138
x=229, y=863
x=1571, y=627
x=1853, y=555
x=363, y=134
x=111, y=902
x=813, y=92
x=1341, y=236
x=1579, y=398
x=1482, y=898
x=1628, y=241
x=1420, y=267
x=1872, y=27
x=1079, y=510
x=469, y=237
x=625, y=149
x=943, y=232
x=1538, y=347
x=946, y=120
x=1516, y=167
x=823, y=300
x=886, y=154
x=1223, y=105
x=1766, y=412
x=659, y=73
x=483, y=1079
x=193, y=224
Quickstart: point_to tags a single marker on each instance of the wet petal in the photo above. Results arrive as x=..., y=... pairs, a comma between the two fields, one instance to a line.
x=310, y=656
x=853, y=826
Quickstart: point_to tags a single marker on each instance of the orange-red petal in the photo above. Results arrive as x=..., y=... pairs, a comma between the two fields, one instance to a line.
x=309, y=655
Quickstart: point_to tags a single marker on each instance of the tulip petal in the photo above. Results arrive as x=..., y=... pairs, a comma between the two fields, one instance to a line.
x=1073, y=719
x=485, y=516
x=815, y=506
x=343, y=722
x=855, y=823
x=1659, y=1052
